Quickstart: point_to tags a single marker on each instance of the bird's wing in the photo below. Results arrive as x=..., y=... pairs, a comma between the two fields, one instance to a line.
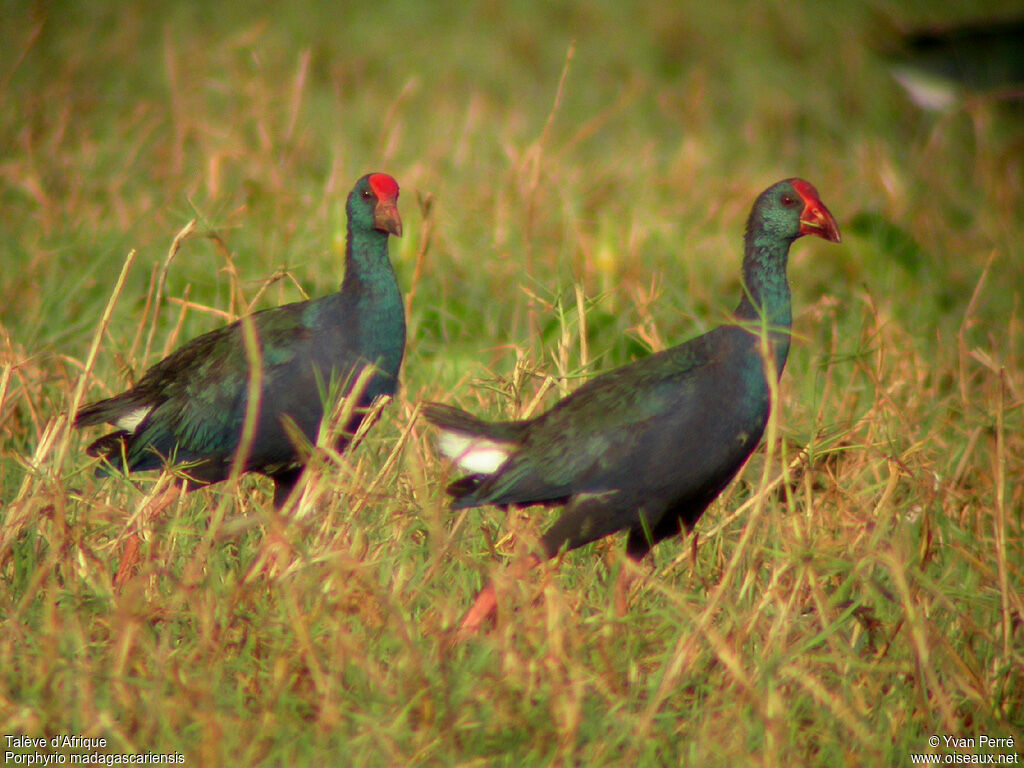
x=594, y=438
x=192, y=403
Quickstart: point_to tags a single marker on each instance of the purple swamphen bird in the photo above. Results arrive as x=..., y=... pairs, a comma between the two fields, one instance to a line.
x=190, y=407
x=648, y=446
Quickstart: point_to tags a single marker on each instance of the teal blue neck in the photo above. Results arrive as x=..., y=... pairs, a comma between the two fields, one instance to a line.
x=366, y=261
x=371, y=290
x=766, y=290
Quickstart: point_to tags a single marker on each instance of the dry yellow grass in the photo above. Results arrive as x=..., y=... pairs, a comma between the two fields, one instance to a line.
x=856, y=591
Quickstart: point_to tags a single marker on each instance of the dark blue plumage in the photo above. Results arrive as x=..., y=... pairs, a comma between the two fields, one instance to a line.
x=648, y=446
x=190, y=406
x=938, y=66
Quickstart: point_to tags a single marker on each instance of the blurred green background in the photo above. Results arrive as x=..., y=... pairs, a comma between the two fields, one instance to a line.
x=551, y=155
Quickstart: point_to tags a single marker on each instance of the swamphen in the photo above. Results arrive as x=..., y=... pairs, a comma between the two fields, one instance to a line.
x=190, y=406
x=937, y=65
x=648, y=446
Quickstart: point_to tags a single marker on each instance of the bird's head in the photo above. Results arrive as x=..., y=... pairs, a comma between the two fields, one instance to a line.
x=373, y=204
x=791, y=209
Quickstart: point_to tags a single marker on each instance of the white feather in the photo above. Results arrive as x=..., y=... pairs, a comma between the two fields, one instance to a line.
x=927, y=91
x=132, y=419
x=476, y=455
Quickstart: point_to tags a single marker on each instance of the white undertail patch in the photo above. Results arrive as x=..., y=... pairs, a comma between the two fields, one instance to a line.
x=476, y=455
x=132, y=419
x=927, y=91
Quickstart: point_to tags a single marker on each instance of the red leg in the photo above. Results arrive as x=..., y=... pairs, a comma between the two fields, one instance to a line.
x=130, y=555
x=627, y=576
x=274, y=556
x=485, y=607
x=129, y=560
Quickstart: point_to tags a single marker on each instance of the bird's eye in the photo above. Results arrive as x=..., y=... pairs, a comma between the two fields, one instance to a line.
x=788, y=200
x=366, y=194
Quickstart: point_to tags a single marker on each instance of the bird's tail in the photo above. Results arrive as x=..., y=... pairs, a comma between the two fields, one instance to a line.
x=112, y=449
x=475, y=446
x=99, y=412
x=453, y=419
x=109, y=446
x=464, y=486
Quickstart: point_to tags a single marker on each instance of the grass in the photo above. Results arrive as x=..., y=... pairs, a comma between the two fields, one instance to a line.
x=568, y=206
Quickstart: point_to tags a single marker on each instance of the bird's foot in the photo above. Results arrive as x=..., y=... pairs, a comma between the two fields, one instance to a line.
x=484, y=610
x=129, y=561
x=152, y=512
x=276, y=555
x=485, y=607
x=623, y=584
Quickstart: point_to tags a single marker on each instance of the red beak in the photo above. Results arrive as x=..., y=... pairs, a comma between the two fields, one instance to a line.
x=816, y=218
x=386, y=218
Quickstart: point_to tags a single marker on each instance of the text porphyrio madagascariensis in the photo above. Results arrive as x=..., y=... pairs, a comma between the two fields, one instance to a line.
x=648, y=446
x=190, y=406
